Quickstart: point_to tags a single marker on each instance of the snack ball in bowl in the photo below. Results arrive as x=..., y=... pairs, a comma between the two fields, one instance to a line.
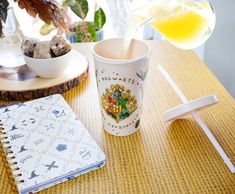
x=47, y=59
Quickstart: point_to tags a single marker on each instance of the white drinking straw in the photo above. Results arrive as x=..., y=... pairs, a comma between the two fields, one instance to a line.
x=199, y=120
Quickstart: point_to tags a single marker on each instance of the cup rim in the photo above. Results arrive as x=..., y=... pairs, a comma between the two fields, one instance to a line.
x=120, y=61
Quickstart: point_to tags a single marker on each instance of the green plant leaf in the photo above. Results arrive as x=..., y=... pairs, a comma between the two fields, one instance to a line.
x=79, y=7
x=99, y=18
x=86, y=32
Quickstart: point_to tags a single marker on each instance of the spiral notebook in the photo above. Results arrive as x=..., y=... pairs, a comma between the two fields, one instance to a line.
x=45, y=144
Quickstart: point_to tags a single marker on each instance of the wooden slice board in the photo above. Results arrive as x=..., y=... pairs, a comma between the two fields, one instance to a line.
x=20, y=83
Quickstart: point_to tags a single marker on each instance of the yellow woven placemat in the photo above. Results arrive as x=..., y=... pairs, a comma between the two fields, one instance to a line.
x=161, y=157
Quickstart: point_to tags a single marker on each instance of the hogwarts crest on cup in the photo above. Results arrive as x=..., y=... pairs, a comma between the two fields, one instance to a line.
x=121, y=84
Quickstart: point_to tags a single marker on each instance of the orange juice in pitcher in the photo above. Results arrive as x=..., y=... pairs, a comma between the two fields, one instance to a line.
x=184, y=23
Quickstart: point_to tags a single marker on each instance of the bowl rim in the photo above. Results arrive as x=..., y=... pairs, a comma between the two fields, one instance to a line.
x=53, y=58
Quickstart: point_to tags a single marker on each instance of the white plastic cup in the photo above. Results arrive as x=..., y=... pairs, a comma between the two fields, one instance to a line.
x=121, y=84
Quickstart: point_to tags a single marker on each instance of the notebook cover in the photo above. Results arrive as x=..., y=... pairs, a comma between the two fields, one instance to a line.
x=49, y=143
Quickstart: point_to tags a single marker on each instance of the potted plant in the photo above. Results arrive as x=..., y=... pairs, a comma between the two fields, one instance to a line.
x=84, y=31
x=52, y=14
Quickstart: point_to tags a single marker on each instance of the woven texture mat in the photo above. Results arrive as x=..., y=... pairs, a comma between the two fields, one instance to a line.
x=160, y=158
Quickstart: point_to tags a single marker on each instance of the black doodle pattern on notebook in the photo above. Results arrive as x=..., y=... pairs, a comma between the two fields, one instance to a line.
x=39, y=141
x=13, y=128
x=6, y=110
x=61, y=147
x=33, y=175
x=50, y=126
x=22, y=149
x=32, y=120
x=85, y=153
x=25, y=123
x=58, y=114
x=16, y=136
x=40, y=108
x=52, y=165
x=71, y=131
x=21, y=105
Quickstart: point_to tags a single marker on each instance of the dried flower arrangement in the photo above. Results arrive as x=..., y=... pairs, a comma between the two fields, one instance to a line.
x=47, y=10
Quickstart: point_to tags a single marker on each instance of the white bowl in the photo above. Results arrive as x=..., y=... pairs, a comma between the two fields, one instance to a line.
x=49, y=68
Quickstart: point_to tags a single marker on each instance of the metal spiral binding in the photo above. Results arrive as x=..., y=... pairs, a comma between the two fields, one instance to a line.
x=9, y=156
